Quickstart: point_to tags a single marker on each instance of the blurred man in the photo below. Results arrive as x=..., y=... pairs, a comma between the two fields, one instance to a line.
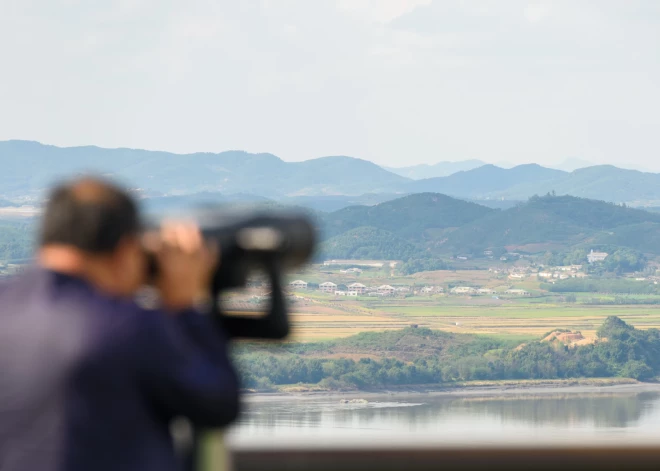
x=88, y=379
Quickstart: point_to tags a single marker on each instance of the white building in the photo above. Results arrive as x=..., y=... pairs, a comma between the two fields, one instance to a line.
x=463, y=290
x=351, y=270
x=340, y=293
x=357, y=287
x=386, y=290
x=594, y=257
x=298, y=284
x=516, y=276
x=518, y=292
x=352, y=293
x=485, y=291
x=545, y=274
x=328, y=287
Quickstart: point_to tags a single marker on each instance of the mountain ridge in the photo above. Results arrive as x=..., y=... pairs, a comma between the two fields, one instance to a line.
x=29, y=168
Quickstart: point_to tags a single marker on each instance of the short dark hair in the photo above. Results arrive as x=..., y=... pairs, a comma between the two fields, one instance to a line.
x=90, y=214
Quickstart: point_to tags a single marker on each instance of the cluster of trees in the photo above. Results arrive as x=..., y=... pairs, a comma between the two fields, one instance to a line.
x=620, y=260
x=16, y=240
x=416, y=265
x=625, y=261
x=368, y=243
x=575, y=257
x=622, y=351
x=602, y=285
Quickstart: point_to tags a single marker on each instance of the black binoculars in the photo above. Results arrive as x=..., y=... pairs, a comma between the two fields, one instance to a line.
x=267, y=241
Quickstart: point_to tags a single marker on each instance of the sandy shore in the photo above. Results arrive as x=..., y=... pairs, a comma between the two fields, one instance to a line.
x=546, y=388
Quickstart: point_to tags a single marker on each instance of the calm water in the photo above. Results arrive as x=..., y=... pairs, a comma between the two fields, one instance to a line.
x=424, y=420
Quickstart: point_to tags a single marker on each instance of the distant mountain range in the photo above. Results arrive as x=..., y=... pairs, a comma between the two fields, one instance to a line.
x=444, y=169
x=325, y=184
x=441, y=169
x=572, y=164
x=29, y=167
x=602, y=182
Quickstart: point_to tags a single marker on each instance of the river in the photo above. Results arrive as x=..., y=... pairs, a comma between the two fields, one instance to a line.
x=572, y=416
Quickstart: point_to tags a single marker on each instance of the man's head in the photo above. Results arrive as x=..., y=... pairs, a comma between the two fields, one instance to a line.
x=91, y=228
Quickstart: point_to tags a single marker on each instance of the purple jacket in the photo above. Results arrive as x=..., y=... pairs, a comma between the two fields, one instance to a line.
x=88, y=382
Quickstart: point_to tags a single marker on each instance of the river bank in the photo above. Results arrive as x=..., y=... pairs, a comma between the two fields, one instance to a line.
x=472, y=389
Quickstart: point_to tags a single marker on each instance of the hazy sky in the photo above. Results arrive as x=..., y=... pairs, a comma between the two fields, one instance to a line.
x=398, y=82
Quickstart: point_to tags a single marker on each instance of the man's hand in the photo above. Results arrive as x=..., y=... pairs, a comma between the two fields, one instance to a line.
x=185, y=265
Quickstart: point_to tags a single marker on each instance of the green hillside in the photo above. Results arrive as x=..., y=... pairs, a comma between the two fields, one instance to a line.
x=644, y=237
x=563, y=220
x=368, y=243
x=413, y=217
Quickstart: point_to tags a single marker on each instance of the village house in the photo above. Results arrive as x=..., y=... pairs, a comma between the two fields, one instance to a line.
x=351, y=270
x=357, y=287
x=485, y=291
x=427, y=290
x=463, y=290
x=386, y=290
x=595, y=257
x=352, y=293
x=298, y=284
x=518, y=292
x=517, y=276
x=545, y=274
x=328, y=287
x=340, y=293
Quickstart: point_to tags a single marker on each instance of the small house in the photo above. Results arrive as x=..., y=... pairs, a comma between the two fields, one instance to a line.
x=518, y=292
x=386, y=290
x=328, y=287
x=357, y=287
x=298, y=284
x=464, y=290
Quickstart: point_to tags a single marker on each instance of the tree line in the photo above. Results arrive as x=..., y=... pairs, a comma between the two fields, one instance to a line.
x=621, y=350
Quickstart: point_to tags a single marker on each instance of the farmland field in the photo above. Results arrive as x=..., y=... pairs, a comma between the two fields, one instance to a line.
x=325, y=316
x=518, y=318
x=511, y=319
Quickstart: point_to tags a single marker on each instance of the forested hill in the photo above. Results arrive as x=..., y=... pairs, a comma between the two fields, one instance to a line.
x=562, y=220
x=369, y=243
x=425, y=229
x=410, y=217
x=434, y=226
